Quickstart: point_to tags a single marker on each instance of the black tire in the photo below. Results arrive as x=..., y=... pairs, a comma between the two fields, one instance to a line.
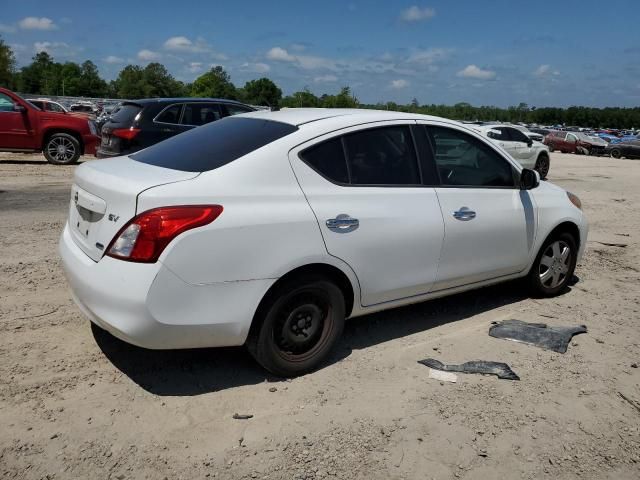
x=542, y=276
x=542, y=166
x=61, y=149
x=551, y=149
x=298, y=326
x=615, y=153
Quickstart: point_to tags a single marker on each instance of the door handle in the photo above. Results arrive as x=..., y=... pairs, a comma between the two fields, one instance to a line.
x=464, y=214
x=343, y=223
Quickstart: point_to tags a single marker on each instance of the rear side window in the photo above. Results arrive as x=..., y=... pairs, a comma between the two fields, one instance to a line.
x=233, y=109
x=200, y=113
x=498, y=134
x=127, y=113
x=170, y=114
x=213, y=145
x=328, y=160
x=377, y=156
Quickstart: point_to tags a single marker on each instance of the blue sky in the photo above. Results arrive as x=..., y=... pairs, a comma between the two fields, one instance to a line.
x=500, y=52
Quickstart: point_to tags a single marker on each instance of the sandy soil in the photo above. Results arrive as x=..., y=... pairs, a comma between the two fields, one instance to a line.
x=77, y=403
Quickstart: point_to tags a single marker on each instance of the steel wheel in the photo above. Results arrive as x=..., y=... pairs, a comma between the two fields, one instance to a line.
x=62, y=149
x=555, y=264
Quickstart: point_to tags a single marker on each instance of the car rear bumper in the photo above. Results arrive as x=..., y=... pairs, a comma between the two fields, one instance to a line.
x=91, y=143
x=149, y=306
x=100, y=153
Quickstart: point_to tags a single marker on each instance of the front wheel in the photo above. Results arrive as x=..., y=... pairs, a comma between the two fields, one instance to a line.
x=554, y=266
x=62, y=149
x=299, y=326
x=616, y=153
x=542, y=166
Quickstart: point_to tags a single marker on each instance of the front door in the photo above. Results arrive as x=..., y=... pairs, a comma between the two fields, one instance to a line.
x=489, y=221
x=15, y=128
x=366, y=190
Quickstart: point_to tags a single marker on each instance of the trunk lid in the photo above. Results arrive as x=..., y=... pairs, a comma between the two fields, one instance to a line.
x=104, y=197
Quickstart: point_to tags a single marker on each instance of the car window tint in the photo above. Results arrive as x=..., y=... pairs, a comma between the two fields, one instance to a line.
x=200, y=113
x=327, y=158
x=170, y=114
x=233, y=109
x=463, y=160
x=6, y=104
x=498, y=134
x=517, y=135
x=214, y=144
x=382, y=156
x=126, y=113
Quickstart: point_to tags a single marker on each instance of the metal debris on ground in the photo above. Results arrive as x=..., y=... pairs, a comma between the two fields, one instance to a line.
x=538, y=334
x=502, y=370
x=238, y=416
x=443, y=376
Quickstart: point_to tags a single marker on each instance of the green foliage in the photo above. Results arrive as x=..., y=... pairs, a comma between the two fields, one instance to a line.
x=7, y=66
x=261, y=92
x=44, y=76
x=216, y=83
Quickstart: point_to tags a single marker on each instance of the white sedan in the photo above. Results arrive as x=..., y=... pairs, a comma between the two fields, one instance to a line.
x=528, y=152
x=270, y=228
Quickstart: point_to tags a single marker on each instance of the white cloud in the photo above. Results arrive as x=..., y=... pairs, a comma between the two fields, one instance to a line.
x=195, y=67
x=545, y=70
x=398, y=84
x=416, y=14
x=35, y=23
x=183, y=44
x=472, y=71
x=49, y=47
x=280, y=55
x=4, y=28
x=148, y=55
x=257, y=67
x=113, y=59
x=325, y=79
x=429, y=56
x=306, y=62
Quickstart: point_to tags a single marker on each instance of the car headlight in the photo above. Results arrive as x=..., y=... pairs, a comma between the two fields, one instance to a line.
x=92, y=127
x=575, y=200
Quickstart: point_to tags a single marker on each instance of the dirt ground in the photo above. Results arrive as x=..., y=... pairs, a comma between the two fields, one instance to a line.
x=77, y=403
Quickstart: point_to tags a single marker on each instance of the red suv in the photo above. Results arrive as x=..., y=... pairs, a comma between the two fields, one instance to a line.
x=62, y=137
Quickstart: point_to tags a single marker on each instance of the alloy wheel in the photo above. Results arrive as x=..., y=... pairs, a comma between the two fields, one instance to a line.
x=61, y=149
x=554, y=264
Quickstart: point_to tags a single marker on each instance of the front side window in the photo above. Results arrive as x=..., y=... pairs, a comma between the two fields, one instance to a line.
x=518, y=135
x=170, y=114
x=463, y=160
x=498, y=134
x=571, y=138
x=6, y=104
x=54, y=107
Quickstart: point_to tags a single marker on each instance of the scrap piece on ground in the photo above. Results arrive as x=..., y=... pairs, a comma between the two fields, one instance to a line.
x=443, y=376
x=242, y=416
x=538, y=334
x=502, y=370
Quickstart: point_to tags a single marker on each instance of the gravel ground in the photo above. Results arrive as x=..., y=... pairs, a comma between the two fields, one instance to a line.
x=77, y=403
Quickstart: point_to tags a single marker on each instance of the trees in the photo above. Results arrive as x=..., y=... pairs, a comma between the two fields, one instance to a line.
x=7, y=65
x=215, y=83
x=261, y=92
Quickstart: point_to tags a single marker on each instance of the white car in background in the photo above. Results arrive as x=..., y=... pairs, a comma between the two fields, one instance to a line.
x=270, y=228
x=526, y=151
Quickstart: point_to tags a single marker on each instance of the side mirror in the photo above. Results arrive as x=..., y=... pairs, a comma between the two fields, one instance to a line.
x=529, y=143
x=529, y=179
x=19, y=108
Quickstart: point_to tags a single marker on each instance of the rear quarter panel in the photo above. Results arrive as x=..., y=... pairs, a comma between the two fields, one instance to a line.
x=266, y=229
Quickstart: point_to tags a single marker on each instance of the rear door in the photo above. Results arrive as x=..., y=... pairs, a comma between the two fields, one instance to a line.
x=166, y=124
x=489, y=222
x=523, y=151
x=196, y=114
x=366, y=189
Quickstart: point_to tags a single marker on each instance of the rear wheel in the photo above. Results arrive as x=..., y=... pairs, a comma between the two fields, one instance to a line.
x=299, y=326
x=551, y=149
x=542, y=166
x=616, y=153
x=61, y=149
x=554, y=265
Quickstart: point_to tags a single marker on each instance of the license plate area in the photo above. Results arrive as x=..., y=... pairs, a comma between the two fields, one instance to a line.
x=84, y=220
x=106, y=140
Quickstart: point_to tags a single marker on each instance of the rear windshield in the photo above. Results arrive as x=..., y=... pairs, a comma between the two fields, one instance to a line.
x=126, y=113
x=214, y=144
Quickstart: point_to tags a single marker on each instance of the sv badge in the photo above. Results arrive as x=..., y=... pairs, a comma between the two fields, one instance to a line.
x=113, y=218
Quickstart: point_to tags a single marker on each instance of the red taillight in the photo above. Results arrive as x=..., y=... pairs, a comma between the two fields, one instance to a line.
x=145, y=237
x=126, y=133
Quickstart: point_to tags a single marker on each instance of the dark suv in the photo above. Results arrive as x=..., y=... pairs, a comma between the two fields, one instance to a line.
x=141, y=123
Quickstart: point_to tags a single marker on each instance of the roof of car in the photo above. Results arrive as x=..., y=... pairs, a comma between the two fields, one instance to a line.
x=300, y=116
x=143, y=101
